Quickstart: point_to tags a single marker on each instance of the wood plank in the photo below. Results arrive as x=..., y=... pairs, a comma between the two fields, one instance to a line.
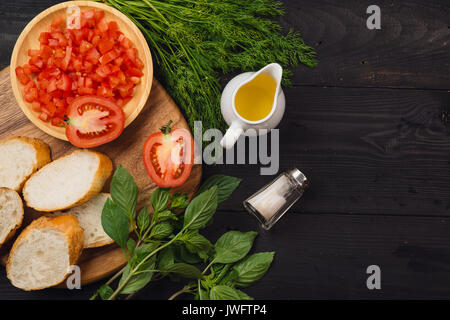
x=366, y=151
x=324, y=256
x=412, y=49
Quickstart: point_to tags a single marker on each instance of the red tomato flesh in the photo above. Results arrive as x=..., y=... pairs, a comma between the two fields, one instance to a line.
x=93, y=121
x=169, y=156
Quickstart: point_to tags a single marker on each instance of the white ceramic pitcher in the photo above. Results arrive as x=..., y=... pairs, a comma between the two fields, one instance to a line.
x=239, y=125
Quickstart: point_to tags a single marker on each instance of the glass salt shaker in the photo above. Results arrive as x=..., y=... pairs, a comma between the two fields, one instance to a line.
x=272, y=201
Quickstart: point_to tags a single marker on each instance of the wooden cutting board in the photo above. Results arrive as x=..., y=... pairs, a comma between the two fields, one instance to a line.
x=98, y=263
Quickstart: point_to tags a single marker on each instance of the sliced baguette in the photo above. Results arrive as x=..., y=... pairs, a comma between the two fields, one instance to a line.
x=89, y=216
x=44, y=252
x=68, y=181
x=20, y=157
x=11, y=213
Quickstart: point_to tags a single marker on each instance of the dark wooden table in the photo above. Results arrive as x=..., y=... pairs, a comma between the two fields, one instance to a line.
x=370, y=127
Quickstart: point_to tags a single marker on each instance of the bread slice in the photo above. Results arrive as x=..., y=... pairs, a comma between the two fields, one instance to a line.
x=89, y=216
x=44, y=252
x=11, y=213
x=19, y=158
x=68, y=181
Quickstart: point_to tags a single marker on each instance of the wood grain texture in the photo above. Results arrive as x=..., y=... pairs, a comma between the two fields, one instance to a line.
x=365, y=151
x=98, y=263
x=378, y=159
x=412, y=49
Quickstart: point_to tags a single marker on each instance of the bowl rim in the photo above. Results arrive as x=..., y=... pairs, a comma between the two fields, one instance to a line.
x=147, y=56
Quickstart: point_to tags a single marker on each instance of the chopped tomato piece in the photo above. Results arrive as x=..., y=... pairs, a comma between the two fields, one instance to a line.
x=23, y=78
x=105, y=45
x=44, y=116
x=93, y=55
x=57, y=22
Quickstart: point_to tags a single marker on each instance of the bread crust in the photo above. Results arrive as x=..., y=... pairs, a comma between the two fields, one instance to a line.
x=18, y=224
x=102, y=174
x=42, y=154
x=68, y=226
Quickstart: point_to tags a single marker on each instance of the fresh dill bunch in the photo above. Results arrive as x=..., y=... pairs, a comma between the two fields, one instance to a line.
x=195, y=42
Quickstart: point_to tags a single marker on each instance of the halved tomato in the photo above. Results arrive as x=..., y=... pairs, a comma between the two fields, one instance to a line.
x=93, y=121
x=168, y=156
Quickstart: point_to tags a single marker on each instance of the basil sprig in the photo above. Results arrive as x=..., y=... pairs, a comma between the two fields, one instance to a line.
x=164, y=242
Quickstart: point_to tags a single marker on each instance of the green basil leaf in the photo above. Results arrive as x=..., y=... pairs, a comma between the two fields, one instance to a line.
x=203, y=294
x=179, y=201
x=143, y=219
x=201, y=209
x=229, y=278
x=131, y=245
x=159, y=199
x=233, y=246
x=166, y=215
x=252, y=268
x=124, y=191
x=198, y=244
x=137, y=281
x=115, y=223
x=105, y=292
x=225, y=184
x=161, y=230
x=184, y=255
x=166, y=257
x=144, y=250
x=184, y=270
x=222, y=292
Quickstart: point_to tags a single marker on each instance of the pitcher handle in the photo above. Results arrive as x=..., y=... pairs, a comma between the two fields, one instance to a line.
x=232, y=135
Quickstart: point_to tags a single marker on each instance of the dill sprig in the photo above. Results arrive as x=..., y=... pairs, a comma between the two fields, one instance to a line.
x=194, y=42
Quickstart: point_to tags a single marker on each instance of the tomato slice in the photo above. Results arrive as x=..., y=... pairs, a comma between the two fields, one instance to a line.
x=93, y=121
x=168, y=156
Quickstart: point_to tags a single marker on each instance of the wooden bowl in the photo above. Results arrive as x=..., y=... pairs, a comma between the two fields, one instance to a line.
x=28, y=39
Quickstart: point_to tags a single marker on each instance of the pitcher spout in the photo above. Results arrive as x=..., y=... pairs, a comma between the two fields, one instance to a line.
x=274, y=70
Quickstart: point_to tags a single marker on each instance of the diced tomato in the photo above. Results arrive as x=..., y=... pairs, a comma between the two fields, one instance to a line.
x=125, y=90
x=53, y=42
x=85, y=46
x=99, y=14
x=109, y=56
x=134, y=72
x=45, y=52
x=62, y=41
x=44, y=116
x=36, y=106
x=58, y=122
x=113, y=28
x=23, y=78
x=126, y=43
x=96, y=40
x=36, y=61
x=93, y=55
x=135, y=80
x=64, y=83
x=66, y=60
x=103, y=71
x=85, y=91
x=43, y=37
x=52, y=85
x=57, y=22
x=104, y=91
x=102, y=25
x=105, y=45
